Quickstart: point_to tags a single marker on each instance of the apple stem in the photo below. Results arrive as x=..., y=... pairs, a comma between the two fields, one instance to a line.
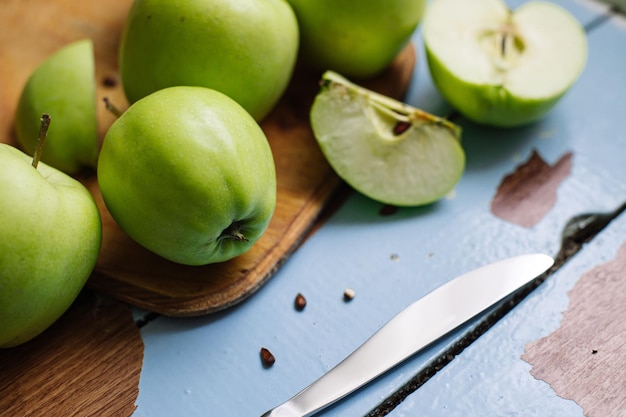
x=111, y=107
x=41, y=139
x=234, y=232
x=507, y=40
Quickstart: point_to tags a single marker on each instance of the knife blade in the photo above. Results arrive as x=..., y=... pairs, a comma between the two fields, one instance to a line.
x=414, y=328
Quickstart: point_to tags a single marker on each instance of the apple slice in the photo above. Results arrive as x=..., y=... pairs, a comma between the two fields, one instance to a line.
x=385, y=149
x=63, y=86
x=502, y=67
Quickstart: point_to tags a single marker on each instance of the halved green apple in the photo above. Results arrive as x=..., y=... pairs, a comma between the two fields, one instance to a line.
x=383, y=148
x=502, y=67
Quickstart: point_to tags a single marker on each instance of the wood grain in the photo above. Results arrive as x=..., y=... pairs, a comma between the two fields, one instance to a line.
x=87, y=364
x=583, y=360
x=33, y=29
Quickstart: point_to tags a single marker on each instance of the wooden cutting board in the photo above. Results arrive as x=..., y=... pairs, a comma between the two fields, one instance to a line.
x=34, y=29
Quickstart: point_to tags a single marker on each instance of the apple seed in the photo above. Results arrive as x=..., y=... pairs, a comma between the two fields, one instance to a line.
x=109, y=82
x=388, y=210
x=267, y=358
x=348, y=294
x=300, y=302
x=401, y=127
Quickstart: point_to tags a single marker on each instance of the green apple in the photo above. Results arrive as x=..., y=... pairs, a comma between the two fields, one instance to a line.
x=358, y=39
x=385, y=149
x=502, y=67
x=245, y=49
x=188, y=174
x=50, y=238
x=64, y=87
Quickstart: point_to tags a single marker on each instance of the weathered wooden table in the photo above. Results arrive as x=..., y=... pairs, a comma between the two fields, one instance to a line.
x=557, y=186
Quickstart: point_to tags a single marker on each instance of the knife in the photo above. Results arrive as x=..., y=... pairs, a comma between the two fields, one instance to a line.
x=415, y=327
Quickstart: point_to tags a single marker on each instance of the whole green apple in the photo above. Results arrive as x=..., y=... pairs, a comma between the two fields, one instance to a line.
x=245, y=49
x=357, y=39
x=64, y=87
x=188, y=174
x=50, y=237
x=502, y=67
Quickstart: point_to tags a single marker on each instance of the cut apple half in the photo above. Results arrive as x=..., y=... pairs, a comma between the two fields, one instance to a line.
x=499, y=66
x=385, y=149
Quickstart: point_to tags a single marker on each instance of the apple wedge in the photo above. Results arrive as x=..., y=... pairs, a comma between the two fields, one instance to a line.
x=383, y=148
x=63, y=86
x=502, y=67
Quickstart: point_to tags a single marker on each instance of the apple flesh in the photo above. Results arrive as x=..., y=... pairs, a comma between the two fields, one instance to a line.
x=385, y=149
x=502, y=67
x=358, y=39
x=64, y=87
x=245, y=49
x=188, y=174
x=50, y=237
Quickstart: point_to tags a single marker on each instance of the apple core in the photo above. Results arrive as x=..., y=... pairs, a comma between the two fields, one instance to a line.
x=504, y=46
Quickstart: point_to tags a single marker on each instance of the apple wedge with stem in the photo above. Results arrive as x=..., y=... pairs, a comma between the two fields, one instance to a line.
x=385, y=149
x=64, y=86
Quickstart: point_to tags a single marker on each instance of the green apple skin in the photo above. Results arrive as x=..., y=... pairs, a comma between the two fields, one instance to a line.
x=357, y=39
x=183, y=165
x=504, y=92
x=64, y=87
x=245, y=49
x=50, y=238
x=485, y=104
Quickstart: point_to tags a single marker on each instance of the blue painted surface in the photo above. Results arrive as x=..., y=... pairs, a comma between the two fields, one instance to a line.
x=210, y=366
x=489, y=378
